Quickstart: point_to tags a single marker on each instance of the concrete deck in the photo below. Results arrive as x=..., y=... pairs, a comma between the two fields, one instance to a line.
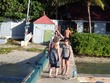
x=60, y=79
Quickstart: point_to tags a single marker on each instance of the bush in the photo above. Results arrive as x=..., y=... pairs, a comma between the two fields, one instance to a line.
x=91, y=44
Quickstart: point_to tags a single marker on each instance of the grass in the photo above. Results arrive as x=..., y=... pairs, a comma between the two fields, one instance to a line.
x=34, y=50
x=15, y=45
x=6, y=50
x=93, y=68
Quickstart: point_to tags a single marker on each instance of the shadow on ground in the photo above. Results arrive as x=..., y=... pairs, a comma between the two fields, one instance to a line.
x=15, y=73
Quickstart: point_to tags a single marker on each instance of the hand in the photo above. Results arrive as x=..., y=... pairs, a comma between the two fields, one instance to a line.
x=57, y=31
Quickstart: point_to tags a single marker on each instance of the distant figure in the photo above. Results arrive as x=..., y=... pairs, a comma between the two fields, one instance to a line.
x=66, y=55
x=67, y=33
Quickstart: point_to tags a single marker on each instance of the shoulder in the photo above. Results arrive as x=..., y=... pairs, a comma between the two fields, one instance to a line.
x=51, y=40
x=69, y=30
x=69, y=47
x=63, y=46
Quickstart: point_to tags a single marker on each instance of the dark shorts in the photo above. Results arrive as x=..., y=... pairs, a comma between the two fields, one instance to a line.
x=54, y=65
x=65, y=58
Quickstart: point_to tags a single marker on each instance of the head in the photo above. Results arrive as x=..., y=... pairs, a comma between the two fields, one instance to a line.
x=56, y=39
x=55, y=33
x=66, y=41
x=68, y=28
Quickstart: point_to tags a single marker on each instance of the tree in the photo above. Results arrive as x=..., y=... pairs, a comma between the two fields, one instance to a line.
x=36, y=9
x=11, y=9
x=89, y=2
x=53, y=5
x=58, y=3
x=17, y=9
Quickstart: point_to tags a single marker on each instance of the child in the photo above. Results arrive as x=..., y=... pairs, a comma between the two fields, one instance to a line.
x=66, y=54
x=54, y=57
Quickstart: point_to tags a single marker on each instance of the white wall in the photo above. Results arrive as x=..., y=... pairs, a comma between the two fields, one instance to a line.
x=12, y=29
x=79, y=25
x=38, y=32
x=5, y=29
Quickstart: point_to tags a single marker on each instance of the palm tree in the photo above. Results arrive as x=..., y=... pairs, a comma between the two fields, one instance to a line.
x=61, y=2
x=89, y=2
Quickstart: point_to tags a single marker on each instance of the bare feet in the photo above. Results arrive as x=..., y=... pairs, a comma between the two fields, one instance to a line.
x=56, y=76
x=61, y=73
x=50, y=76
x=65, y=75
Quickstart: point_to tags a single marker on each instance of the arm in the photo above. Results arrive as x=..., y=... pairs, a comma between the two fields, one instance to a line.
x=71, y=51
x=50, y=44
x=58, y=51
x=70, y=33
x=60, y=34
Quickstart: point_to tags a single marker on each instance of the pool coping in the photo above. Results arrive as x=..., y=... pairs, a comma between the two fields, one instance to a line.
x=33, y=76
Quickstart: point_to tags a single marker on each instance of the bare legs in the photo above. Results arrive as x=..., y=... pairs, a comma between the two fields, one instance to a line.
x=67, y=67
x=65, y=63
x=62, y=66
x=56, y=72
x=50, y=72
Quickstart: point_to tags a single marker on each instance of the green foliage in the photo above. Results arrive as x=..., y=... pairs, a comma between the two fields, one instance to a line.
x=36, y=9
x=91, y=44
x=17, y=9
x=12, y=9
x=100, y=3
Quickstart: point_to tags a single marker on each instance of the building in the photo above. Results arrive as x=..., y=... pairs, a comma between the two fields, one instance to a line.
x=43, y=30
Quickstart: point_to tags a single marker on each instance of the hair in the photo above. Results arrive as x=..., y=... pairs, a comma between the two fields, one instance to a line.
x=68, y=28
x=66, y=39
x=56, y=39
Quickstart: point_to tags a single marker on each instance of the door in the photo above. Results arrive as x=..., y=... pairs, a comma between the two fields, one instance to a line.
x=48, y=35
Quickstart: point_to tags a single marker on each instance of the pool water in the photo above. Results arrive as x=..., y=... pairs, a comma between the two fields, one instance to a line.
x=93, y=68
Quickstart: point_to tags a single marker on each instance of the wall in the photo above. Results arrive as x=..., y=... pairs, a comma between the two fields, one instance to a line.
x=38, y=32
x=100, y=27
x=5, y=29
x=13, y=29
x=79, y=25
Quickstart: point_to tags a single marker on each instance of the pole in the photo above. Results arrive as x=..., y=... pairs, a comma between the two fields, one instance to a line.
x=27, y=21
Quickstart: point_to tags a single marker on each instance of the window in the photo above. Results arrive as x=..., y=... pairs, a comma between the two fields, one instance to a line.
x=108, y=27
x=86, y=27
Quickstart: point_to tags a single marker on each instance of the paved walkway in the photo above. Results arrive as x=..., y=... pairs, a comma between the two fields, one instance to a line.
x=61, y=79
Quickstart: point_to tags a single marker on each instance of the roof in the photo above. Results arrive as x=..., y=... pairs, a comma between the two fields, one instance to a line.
x=43, y=20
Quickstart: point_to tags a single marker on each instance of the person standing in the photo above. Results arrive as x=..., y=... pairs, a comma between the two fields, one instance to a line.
x=66, y=54
x=54, y=57
x=67, y=33
x=56, y=34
